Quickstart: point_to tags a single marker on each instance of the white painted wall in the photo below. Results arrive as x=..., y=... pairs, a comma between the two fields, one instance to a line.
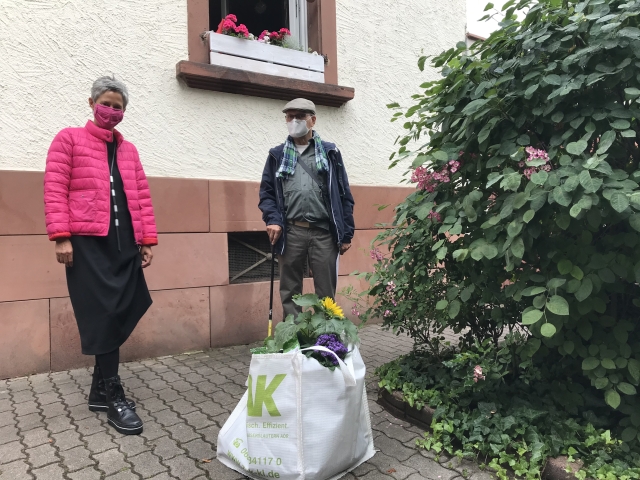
x=51, y=51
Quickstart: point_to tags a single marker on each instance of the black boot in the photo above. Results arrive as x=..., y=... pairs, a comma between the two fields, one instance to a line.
x=98, y=393
x=120, y=415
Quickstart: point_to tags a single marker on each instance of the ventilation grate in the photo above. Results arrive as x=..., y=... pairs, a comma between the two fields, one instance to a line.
x=249, y=258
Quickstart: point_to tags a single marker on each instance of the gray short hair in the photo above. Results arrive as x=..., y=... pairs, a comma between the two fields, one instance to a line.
x=109, y=84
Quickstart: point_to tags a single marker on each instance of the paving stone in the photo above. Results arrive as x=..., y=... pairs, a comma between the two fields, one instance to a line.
x=77, y=458
x=182, y=406
x=171, y=377
x=100, y=442
x=66, y=440
x=7, y=418
x=182, y=386
x=363, y=469
x=141, y=393
x=15, y=471
x=131, y=445
x=224, y=399
x=157, y=384
x=376, y=475
x=167, y=418
x=10, y=452
x=80, y=412
x=399, y=433
x=111, y=461
x=50, y=472
x=42, y=455
x=146, y=465
x=217, y=470
x=74, y=399
x=196, y=396
x=19, y=384
x=164, y=476
x=25, y=408
x=194, y=378
x=154, y=404
x=48, y=397
x=429, y=468
x=8, y=434
x=90, y=426
x=184, y=468
x=211, y=408
x=86, y=474
x=52, y=410
x=58, y=424
x=169, y=395
x=36, y=437
x=182, y=432
x=5, y=405
x=391, y=466
x=125, y=474
x=152, y=431
x=29, y=422
x=166, y=448
x=197, y=420
x=210, y=434
x=199, y=450
x=67, y=389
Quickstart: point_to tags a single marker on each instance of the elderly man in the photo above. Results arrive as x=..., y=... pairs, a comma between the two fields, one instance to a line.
x=307, y=206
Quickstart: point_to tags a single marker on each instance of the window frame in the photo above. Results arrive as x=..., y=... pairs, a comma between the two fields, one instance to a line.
x=321, y=37
x=197, y=72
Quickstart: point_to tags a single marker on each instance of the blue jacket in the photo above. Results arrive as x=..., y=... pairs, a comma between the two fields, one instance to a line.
x=272, y=196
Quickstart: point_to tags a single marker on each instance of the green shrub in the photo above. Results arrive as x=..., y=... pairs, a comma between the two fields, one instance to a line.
x=510, y=416
x=526, y=216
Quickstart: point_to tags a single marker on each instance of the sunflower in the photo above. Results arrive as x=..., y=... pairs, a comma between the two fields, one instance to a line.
x=332, y=308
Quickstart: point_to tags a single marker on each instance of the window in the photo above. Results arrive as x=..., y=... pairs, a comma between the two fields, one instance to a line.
x=198, y=72
x=259, y=15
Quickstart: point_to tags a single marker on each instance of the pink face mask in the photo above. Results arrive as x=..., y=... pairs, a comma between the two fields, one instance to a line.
x=107, y=117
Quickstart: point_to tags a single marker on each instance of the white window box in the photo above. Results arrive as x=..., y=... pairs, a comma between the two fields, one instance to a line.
x=253, y=56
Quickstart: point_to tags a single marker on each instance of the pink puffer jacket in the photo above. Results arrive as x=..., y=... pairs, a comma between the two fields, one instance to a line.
x=77, y=188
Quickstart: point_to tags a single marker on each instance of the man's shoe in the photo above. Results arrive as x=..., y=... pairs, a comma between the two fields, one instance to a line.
x=98, y=393
x=119, y=414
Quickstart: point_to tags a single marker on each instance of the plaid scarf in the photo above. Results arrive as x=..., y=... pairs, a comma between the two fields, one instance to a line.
x=291, y=156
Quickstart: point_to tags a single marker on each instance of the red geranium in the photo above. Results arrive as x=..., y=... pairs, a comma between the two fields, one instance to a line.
x=228, y=26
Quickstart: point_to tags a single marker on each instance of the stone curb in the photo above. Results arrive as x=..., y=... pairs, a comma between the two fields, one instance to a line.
x=394, y=403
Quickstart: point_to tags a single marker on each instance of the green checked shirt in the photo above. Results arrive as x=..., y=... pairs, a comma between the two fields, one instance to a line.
x=303, y=199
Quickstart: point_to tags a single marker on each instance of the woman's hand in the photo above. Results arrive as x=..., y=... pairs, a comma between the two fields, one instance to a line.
x=147, y=256
x=64, y=252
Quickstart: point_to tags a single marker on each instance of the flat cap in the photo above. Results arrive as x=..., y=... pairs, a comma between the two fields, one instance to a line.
x=301, y=104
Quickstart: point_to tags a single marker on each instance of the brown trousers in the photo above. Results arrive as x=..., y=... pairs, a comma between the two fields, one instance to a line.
x=318, y=246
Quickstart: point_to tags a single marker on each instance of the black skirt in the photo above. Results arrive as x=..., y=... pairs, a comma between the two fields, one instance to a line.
x=107, y=287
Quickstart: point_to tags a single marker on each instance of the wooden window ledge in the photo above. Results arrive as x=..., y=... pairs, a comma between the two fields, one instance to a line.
x=232, y=80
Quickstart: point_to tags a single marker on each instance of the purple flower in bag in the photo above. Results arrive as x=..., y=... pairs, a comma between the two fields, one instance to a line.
x=333, y=343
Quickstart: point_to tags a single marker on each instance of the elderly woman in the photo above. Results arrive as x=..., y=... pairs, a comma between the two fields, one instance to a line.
x=98, y=211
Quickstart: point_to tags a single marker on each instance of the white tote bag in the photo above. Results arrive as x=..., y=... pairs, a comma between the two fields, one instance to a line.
x=299, y=420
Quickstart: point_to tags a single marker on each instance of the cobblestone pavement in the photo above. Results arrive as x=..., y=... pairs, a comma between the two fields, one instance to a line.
x=47, y=432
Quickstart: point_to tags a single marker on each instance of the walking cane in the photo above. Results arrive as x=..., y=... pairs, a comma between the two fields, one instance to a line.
x=273, y=261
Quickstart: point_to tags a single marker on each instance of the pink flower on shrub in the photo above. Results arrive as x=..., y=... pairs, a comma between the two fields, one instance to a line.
x=376, y=254
x=534, y=154
x=429, y=180
x=355, y=311
x=391, y=286
x=477, y=374
x=435, y=216
x=387, y=313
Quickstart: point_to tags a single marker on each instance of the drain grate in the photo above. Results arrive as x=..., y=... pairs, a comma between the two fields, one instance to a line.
x=250, y=258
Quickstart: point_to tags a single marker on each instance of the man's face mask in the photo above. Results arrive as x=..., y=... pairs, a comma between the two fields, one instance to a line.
x=297, y=128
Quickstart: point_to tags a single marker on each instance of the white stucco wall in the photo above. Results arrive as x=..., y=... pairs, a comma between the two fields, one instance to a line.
x=51, y=51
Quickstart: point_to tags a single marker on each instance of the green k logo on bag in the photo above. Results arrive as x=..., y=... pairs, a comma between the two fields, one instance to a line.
x=263, y=395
